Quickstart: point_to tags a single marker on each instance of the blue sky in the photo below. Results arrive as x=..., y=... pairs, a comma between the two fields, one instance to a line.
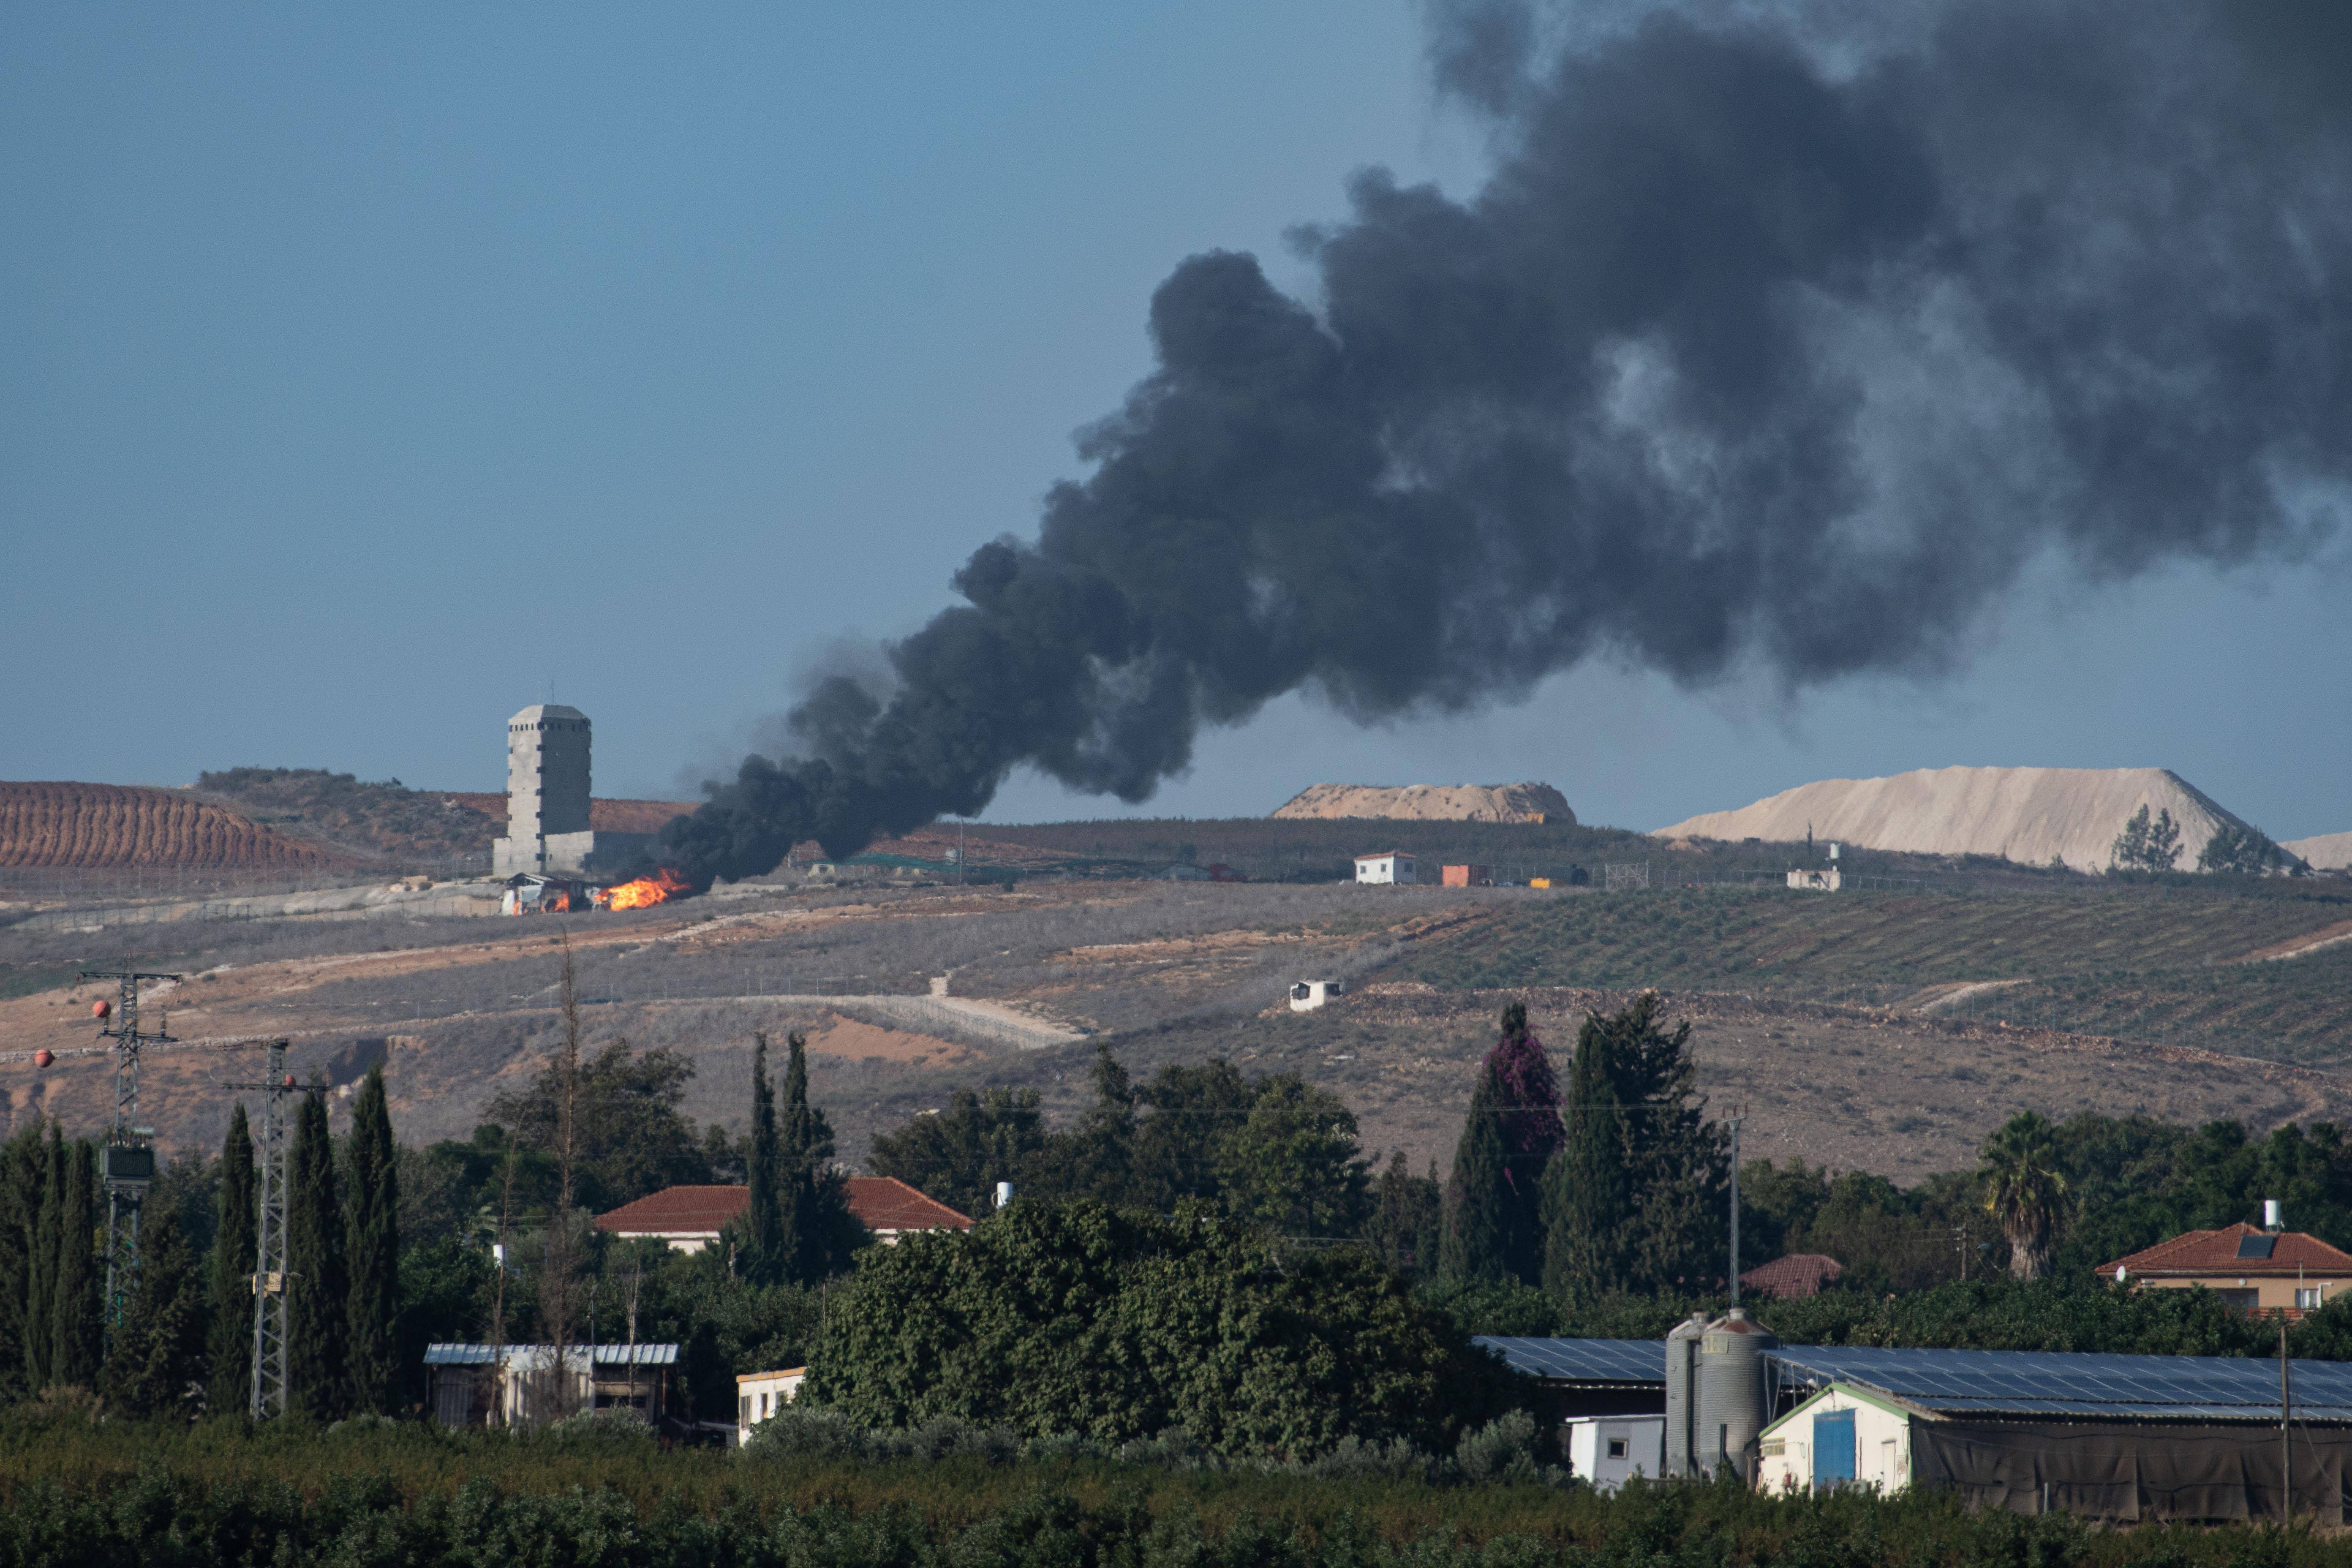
x=363, y=372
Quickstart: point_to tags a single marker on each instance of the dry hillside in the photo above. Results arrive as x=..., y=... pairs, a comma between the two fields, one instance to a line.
x=117, y=826
x=2025, y=815
x=1432, y=803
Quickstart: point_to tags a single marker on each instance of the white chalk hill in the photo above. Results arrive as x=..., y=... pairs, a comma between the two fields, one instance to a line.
x=2328, y=852
x=2026, y=815
x=1433, y=803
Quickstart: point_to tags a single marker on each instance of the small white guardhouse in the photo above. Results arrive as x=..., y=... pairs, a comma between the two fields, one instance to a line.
x=1842, y=1436
x=1607, y=1451
x=760, y=1395
x=1388, y=865
x=1308, y=994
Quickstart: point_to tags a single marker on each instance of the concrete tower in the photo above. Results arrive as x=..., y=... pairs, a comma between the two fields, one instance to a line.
x=547, y=792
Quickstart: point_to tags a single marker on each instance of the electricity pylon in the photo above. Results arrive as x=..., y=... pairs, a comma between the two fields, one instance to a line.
x=269, y=1240
x=127, y=1163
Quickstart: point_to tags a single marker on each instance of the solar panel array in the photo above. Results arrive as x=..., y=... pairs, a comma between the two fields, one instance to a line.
x=1987, y=1382
x=2065, y=1383
x=1582, y=1361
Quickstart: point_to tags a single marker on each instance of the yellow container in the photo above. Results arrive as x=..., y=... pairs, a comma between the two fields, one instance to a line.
x=1538, y=882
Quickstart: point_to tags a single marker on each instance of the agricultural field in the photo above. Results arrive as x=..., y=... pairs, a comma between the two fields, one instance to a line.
x=2265, y=972
x=1885, y=1031
x=117, y=826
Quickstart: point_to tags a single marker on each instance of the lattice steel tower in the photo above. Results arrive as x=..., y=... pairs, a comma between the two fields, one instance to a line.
x=269, y=1240
x=127, y=1163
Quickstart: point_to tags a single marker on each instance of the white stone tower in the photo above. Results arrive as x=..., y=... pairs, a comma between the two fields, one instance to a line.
x=547, y=792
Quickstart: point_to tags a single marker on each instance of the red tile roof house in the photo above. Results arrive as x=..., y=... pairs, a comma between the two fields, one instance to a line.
x=1789, y=1279
x=2253, y=1270
x=689, y=1218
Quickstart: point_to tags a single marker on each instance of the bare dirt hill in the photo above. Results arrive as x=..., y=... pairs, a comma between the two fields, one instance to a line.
x=2025, y=815
x=1432, y=803
x=604, y=816
x=2327, y=852
x=110, y=826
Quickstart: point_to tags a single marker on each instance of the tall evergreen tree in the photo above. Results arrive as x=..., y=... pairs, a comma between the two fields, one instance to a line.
x=766, y=1252
x=155, y=1365
x=229, y=1383
x=22, y=1169
x=1634, y=1202
x=41, y=1267
x=316, y=1290
x=372, y=1251
x=1513, y=1132
x=818, y=1226
x=77, y=1323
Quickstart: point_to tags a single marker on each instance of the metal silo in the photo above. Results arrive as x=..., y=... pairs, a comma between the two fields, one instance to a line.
x=1732, y=1400
x=1682, y=1389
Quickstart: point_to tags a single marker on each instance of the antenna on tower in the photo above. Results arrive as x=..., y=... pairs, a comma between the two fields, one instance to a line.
x=127, y=1161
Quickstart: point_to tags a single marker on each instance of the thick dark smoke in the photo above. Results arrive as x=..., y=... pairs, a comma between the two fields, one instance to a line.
x=1763, y=347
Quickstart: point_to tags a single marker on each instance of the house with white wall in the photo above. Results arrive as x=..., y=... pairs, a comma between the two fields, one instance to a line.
x=1388, y=865
x=1844, y=1435
x=760, y=1395
x=1607, y=1451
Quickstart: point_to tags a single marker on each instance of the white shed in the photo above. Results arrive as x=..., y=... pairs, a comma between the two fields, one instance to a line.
x=1386, y=867
x=1308, y=994
x=1843, y=1435
x=1607, y=1451
x=760, y=1395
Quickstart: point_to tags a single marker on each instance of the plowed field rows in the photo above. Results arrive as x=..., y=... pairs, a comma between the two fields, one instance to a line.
x=90, y=824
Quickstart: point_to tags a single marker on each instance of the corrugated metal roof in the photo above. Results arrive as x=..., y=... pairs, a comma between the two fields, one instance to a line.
x=454, y=1353
x=2073, y=1383
x=1581, y=1361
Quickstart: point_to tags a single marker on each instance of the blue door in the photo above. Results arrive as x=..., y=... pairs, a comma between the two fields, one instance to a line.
x=1832, y=1446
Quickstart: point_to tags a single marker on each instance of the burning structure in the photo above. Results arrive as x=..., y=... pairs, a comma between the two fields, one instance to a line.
x=548, y=830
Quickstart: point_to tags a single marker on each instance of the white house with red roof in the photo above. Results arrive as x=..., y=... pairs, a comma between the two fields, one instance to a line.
x=691, y=1218
x=2253, y=1270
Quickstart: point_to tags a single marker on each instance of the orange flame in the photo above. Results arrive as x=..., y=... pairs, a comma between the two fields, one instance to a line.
x=645, y=891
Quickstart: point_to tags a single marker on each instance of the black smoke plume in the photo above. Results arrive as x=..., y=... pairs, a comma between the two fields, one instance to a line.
x=1764, y=346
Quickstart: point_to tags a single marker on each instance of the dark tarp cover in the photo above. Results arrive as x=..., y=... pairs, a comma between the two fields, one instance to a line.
x=2133, y=1470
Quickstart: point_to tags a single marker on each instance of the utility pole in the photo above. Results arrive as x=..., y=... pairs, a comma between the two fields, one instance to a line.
x=2286, y=1457
x=1733, y=1122
x=270, y=1241
x=127, y=1163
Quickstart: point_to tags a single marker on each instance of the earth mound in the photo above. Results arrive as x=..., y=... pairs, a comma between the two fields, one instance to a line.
x=604, y=816
x=1433, y=803
x=102, y=825
x=2327, y=852
x=2026, y=815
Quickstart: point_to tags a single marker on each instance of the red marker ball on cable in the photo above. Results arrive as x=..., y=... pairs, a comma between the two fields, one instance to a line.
x=42, y=1058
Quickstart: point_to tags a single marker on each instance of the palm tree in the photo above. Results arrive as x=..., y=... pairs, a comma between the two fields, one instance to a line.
x=2024, y=1191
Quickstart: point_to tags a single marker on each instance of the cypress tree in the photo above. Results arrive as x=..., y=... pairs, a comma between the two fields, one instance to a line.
x=229, y=1375
x=41, y=1265
x=314, y=1259
x=1635, y=1199
x=768, y=1248
x=1472, y=1247
x=372, y=1243
x=818, y=1226
x=1507, y=1142
x=77, y=1324
x=22, y=1168
x=157, y=1359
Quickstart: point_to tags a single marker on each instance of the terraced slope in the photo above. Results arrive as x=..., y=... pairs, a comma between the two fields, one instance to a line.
x=108, y=825
x=2143, y=962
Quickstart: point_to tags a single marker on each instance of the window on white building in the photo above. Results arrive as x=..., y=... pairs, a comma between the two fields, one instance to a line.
x=2307, y=1298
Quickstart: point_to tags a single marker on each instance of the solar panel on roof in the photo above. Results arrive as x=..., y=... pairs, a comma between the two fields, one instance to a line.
x=2066, y=1382
x=1581, y=1361
x=2256, y=1246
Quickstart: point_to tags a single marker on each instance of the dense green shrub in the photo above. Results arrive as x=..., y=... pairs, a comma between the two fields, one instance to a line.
x=1119, y=1325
